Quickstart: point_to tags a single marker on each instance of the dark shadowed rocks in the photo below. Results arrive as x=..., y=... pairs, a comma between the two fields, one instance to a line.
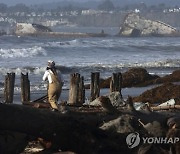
x=160, y=94
x=132, y=78
x=139, y=77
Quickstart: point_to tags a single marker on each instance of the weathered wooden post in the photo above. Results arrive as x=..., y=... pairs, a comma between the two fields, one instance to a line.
x=81, y=98
x=116, y=83
x=74, y=88
x=25, y=88
x=77, y=89
x=9, y=87
x=95, y=86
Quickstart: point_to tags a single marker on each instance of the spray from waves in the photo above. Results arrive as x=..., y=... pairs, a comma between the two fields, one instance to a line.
x=22, y=52
x=169, y=63
x=18, y=71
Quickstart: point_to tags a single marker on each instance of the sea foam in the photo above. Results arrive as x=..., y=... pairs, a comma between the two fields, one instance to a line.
x=22, y=52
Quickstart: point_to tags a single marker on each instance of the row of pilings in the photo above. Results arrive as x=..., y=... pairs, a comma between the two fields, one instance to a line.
x=77, y=92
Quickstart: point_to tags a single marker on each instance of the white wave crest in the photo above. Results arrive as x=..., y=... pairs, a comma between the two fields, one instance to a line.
x=22, y=52
x=18, y=71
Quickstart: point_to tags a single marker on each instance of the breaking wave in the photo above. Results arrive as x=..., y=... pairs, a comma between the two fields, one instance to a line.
x=22, y=52
x=169, y=63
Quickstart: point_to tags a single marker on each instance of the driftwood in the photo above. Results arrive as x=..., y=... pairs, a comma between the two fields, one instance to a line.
x=157, y=108
x=80, y=132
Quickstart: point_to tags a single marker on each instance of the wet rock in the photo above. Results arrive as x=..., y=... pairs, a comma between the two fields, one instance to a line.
x=160, y=94
x=174, y=77
x=137, y=77
x=132, y=78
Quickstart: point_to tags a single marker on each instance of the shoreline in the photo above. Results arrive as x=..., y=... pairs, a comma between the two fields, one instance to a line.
x=133, y=91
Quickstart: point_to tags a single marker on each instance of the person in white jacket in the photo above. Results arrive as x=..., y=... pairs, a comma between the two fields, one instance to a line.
x=55, y=83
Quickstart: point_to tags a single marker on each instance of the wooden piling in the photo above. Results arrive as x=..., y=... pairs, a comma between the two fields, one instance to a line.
x=116, y=83
x=77, y=89
x=25, y=88
x=81, y=98
x=95, y=86
x=9, y=87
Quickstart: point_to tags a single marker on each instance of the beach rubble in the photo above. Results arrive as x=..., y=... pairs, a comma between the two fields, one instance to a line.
x=85, y=129
x=97, y=127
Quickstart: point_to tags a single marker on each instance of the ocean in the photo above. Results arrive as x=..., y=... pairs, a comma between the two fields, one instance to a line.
x=159, y=55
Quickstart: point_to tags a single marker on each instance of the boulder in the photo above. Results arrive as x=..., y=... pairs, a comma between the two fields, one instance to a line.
x=135, y=25
x=116, y=99
x=123, y=124
x=132, y=78
x=174, y=77
x=137, y=77
x=27, y=28
x=160, y=94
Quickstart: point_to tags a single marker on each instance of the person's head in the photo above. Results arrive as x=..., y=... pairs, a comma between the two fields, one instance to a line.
x=51, y=64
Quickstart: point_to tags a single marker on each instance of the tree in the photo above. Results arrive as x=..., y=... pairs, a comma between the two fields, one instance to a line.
x=3, y=8
x=107, y=5
x=19, y=8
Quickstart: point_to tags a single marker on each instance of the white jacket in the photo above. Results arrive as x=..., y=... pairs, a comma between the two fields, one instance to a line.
x=47, y=76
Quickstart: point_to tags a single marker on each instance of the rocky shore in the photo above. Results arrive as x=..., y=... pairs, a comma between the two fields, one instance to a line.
x=109, y=125
x=167, y=87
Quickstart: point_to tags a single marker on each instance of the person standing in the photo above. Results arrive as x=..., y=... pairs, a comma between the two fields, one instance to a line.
x=55, y=83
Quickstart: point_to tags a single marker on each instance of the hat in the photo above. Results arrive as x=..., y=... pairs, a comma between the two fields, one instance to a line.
x=51, y=63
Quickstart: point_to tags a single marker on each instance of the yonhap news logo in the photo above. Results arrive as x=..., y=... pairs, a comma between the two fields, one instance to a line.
x=133, y=140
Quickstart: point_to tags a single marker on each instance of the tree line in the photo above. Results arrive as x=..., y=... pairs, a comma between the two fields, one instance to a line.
x=106, y=5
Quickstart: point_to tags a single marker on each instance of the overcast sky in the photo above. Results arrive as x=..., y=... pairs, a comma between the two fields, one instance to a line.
x=32, y=2
x=28, y=2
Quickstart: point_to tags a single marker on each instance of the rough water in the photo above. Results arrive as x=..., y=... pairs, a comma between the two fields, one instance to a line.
x=159, y=55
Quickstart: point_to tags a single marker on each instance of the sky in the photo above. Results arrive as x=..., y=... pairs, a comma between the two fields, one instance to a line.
x=28, y=2
x=32, y=2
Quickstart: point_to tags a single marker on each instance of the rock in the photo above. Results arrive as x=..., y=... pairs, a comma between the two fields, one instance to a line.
x=160, y=94
x=96, y=102
x=174, y=77
x=123, y=124
x=154, y=129
x=12, y=142
x=116, y=99
x=26, y=28
x=137, y=77
x=132, y=78
x=134, y=25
